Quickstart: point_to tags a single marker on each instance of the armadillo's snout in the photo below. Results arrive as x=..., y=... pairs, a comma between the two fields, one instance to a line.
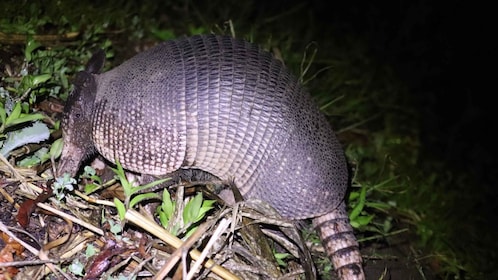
x=70, y=160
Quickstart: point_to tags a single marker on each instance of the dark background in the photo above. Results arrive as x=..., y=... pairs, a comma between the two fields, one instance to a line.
x=443, y=52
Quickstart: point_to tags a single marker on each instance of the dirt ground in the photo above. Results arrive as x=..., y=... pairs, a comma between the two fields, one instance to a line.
x=397, y=259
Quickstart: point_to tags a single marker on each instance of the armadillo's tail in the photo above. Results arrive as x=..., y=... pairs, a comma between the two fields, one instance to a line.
x=340, y=243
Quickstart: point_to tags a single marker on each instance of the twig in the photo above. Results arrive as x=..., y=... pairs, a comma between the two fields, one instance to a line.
x=41, y=254
x=71, y=218
x=217, y=233
x=93, y=200
x=175, y=257
x=152, y=227
x=18, y=176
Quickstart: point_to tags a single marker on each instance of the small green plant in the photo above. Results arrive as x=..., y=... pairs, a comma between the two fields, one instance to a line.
x=42, y=155
x=281, y=258
x=165, y=212
x=15, y=130
x=115, y=228
x=90, y=251
x=194, y=211
x=77, y=267
x=132, y=193
x=32, y=76
x=62, y=185
x=95, y=181
x=357, y=216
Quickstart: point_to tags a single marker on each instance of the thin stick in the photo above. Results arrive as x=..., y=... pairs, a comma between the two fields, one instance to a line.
x=152, y=227
x=40, y=253
x=71, y=218
x=19, y=176
x=216, y=234
x=177, y=254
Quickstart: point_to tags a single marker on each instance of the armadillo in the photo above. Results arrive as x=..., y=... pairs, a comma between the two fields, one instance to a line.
x=226, y=107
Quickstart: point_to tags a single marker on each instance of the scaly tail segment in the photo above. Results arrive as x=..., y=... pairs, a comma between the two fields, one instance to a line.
x=340, y=243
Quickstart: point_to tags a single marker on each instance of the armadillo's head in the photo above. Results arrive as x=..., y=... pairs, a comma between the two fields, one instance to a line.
x=77, y=119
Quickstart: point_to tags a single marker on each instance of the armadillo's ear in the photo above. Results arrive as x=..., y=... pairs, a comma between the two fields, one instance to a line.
x=84, y=92
x=96, y=63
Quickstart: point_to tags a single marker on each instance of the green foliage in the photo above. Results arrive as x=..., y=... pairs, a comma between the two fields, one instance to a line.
x=95, y=181
x=32, y=134
x=281, y=257
x=90, y=250
x=62, y=185
x=163, y=34
x=77, y=267
x=165, y=212
x=130, y=191
x=34, y=84
x=42, y=74
x=358, y=217
x=43, y=154
x=121, y=207
x=116, y=228
x=194, y=211
x=15, y=117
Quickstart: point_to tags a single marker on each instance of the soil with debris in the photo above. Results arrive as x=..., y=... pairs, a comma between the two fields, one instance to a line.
x=391, y=258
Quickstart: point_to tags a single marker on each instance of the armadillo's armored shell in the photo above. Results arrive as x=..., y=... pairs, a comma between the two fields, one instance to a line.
x=229, y=108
